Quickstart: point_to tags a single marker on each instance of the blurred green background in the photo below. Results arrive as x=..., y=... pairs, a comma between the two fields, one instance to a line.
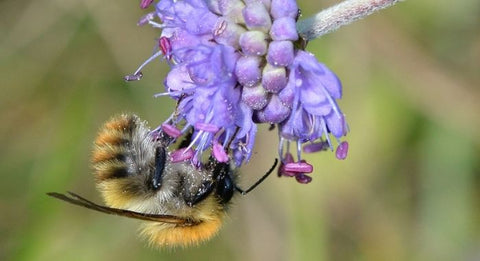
x=409, y=189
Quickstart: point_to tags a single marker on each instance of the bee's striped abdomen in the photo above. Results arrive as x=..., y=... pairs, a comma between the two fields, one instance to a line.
x=112, y=146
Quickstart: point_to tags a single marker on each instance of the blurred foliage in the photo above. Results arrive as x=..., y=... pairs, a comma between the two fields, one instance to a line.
x=409, y=190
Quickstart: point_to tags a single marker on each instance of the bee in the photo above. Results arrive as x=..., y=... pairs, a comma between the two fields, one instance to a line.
x=182, y=204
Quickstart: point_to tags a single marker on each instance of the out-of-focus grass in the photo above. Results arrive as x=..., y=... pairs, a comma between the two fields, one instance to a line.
x=409, y=190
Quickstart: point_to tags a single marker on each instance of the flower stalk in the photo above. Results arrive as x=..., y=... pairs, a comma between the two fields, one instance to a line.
x=339, y=15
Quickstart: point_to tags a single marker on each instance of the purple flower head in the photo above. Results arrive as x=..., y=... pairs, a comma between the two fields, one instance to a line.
x=235, y=64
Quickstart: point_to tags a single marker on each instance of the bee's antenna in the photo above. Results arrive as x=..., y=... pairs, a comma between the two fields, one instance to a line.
x=244, y=192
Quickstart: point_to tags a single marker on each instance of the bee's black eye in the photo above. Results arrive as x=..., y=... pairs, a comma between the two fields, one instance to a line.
x=225, y=187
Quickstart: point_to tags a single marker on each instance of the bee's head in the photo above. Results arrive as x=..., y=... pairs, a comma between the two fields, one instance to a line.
x=220, y=184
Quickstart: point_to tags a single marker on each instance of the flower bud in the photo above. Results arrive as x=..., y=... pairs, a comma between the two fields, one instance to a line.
x=248, y=70
x=257, y=17
x=274, y=78
x=280, y=53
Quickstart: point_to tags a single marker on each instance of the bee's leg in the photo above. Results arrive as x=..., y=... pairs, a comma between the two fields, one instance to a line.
x=160, y=159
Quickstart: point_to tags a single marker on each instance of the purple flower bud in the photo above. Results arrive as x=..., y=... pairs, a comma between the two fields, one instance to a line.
x=214, y=5
x=274, y=112
x=284, y=8
x=266, y=3
x=257, y=17
x=228, y=33
x=280, y=53
x=284, y=29
x=274, y=78
x=254, y=43
x=232, y=10
x=171, y=130
x=248, y=70
x=255, y=97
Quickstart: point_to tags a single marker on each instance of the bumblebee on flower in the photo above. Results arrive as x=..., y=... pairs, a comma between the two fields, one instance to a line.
x=235, y=64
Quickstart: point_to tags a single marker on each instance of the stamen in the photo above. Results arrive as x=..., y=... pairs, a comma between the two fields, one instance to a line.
x=303, y=179
x=325, y=131
x=346, y=128
x=220, y=28
x=155, y=134
x=280, y=149
x=171, y=130
x=202, y=145
x=197, y=137
x=206, y=127
x=156, y=95
x=299, y=150
x=185, y=128
x=219, y=153
x=181, y=155
x=146, y=19
x=170, y=93
x=331, y=101
x=156, y=25
x=226, y=140
x=312, y=119
x=299, y=167
x=342, y=150
x=145, y=3
x=147, y=62
x=165, y=46
x=133, y=77
x=281, y=170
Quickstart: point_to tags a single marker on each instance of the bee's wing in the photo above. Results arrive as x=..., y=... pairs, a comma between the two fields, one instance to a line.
x=80, y=201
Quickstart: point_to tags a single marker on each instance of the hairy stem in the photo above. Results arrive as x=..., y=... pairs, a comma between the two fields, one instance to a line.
x=343, y=13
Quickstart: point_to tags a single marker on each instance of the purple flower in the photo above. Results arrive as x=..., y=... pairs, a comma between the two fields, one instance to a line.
x=235, y=64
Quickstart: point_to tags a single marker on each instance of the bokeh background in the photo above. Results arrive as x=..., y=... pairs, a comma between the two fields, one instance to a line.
x=409, y=189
